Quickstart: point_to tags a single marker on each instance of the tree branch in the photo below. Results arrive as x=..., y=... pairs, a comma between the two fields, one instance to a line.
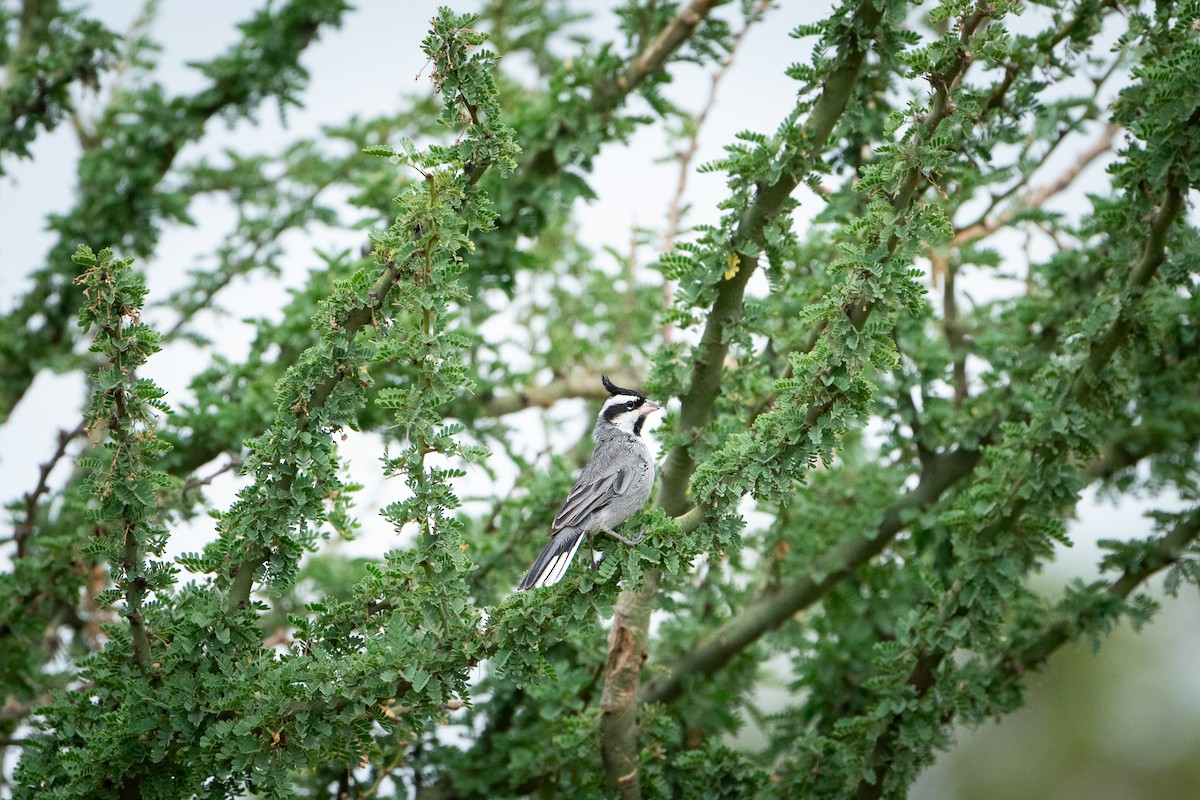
x=129, y=214
x=196, y=451
x=686, y=156
x=956, y=340
x=1036, y=198
x=577, y=385
x=192, y=484
x=24, y=529
x=1154, y=252
x=1166, y=551
x=365, y=309
x=924, y=674
x=650, y=60
x=627, y=641
x=609, y=94
x=243, y=573
x=718, y=648
x=1013, y=664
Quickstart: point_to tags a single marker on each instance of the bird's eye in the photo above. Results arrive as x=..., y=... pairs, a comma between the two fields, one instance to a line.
x=614, y=411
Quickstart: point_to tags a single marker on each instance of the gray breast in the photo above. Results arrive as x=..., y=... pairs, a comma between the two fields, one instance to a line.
x=623, y=451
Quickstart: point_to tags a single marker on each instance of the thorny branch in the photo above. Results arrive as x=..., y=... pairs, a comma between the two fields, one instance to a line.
x=717, y=649
x=628, y=637
x=1082, y=387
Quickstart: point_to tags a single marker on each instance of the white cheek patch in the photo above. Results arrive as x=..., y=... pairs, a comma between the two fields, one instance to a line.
x=623, y=411
x=626, y=421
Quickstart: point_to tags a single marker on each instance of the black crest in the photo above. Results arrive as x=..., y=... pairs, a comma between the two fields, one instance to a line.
x=614, y=390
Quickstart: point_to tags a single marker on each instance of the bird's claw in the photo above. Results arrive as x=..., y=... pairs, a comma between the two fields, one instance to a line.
x=623, y=540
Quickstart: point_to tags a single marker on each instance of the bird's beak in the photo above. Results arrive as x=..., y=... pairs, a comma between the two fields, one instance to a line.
x=649, y=408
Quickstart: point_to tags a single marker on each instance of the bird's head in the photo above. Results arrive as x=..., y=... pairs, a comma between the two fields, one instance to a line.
x=627, y=409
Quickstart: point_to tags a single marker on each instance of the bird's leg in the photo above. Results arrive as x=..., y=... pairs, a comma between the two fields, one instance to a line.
x=622, y=539
x=591, y=550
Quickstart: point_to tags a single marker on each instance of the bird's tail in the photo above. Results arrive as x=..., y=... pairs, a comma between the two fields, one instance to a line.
x=551, y=565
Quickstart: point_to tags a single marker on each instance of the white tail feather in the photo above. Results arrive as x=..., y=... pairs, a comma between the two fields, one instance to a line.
x=557, y=568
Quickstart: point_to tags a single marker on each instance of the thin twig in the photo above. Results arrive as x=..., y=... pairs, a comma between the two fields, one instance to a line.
x=1036, y=198
x=192, y=484
x=25, y=528
x=686, y=156
x=629, y=267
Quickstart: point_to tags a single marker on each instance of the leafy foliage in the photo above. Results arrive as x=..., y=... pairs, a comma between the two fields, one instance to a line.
x=911, y=460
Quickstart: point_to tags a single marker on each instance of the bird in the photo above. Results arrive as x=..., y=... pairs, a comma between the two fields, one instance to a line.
x=614, y=484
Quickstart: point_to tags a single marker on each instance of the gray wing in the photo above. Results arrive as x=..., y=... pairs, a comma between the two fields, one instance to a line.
x=587, y=496
x=570, y=526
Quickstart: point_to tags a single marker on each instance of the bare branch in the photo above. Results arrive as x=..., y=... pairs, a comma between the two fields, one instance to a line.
x=192, y=484
x=25, y=528
x=1036, y=198
x=652, y=58
x=578, y=385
